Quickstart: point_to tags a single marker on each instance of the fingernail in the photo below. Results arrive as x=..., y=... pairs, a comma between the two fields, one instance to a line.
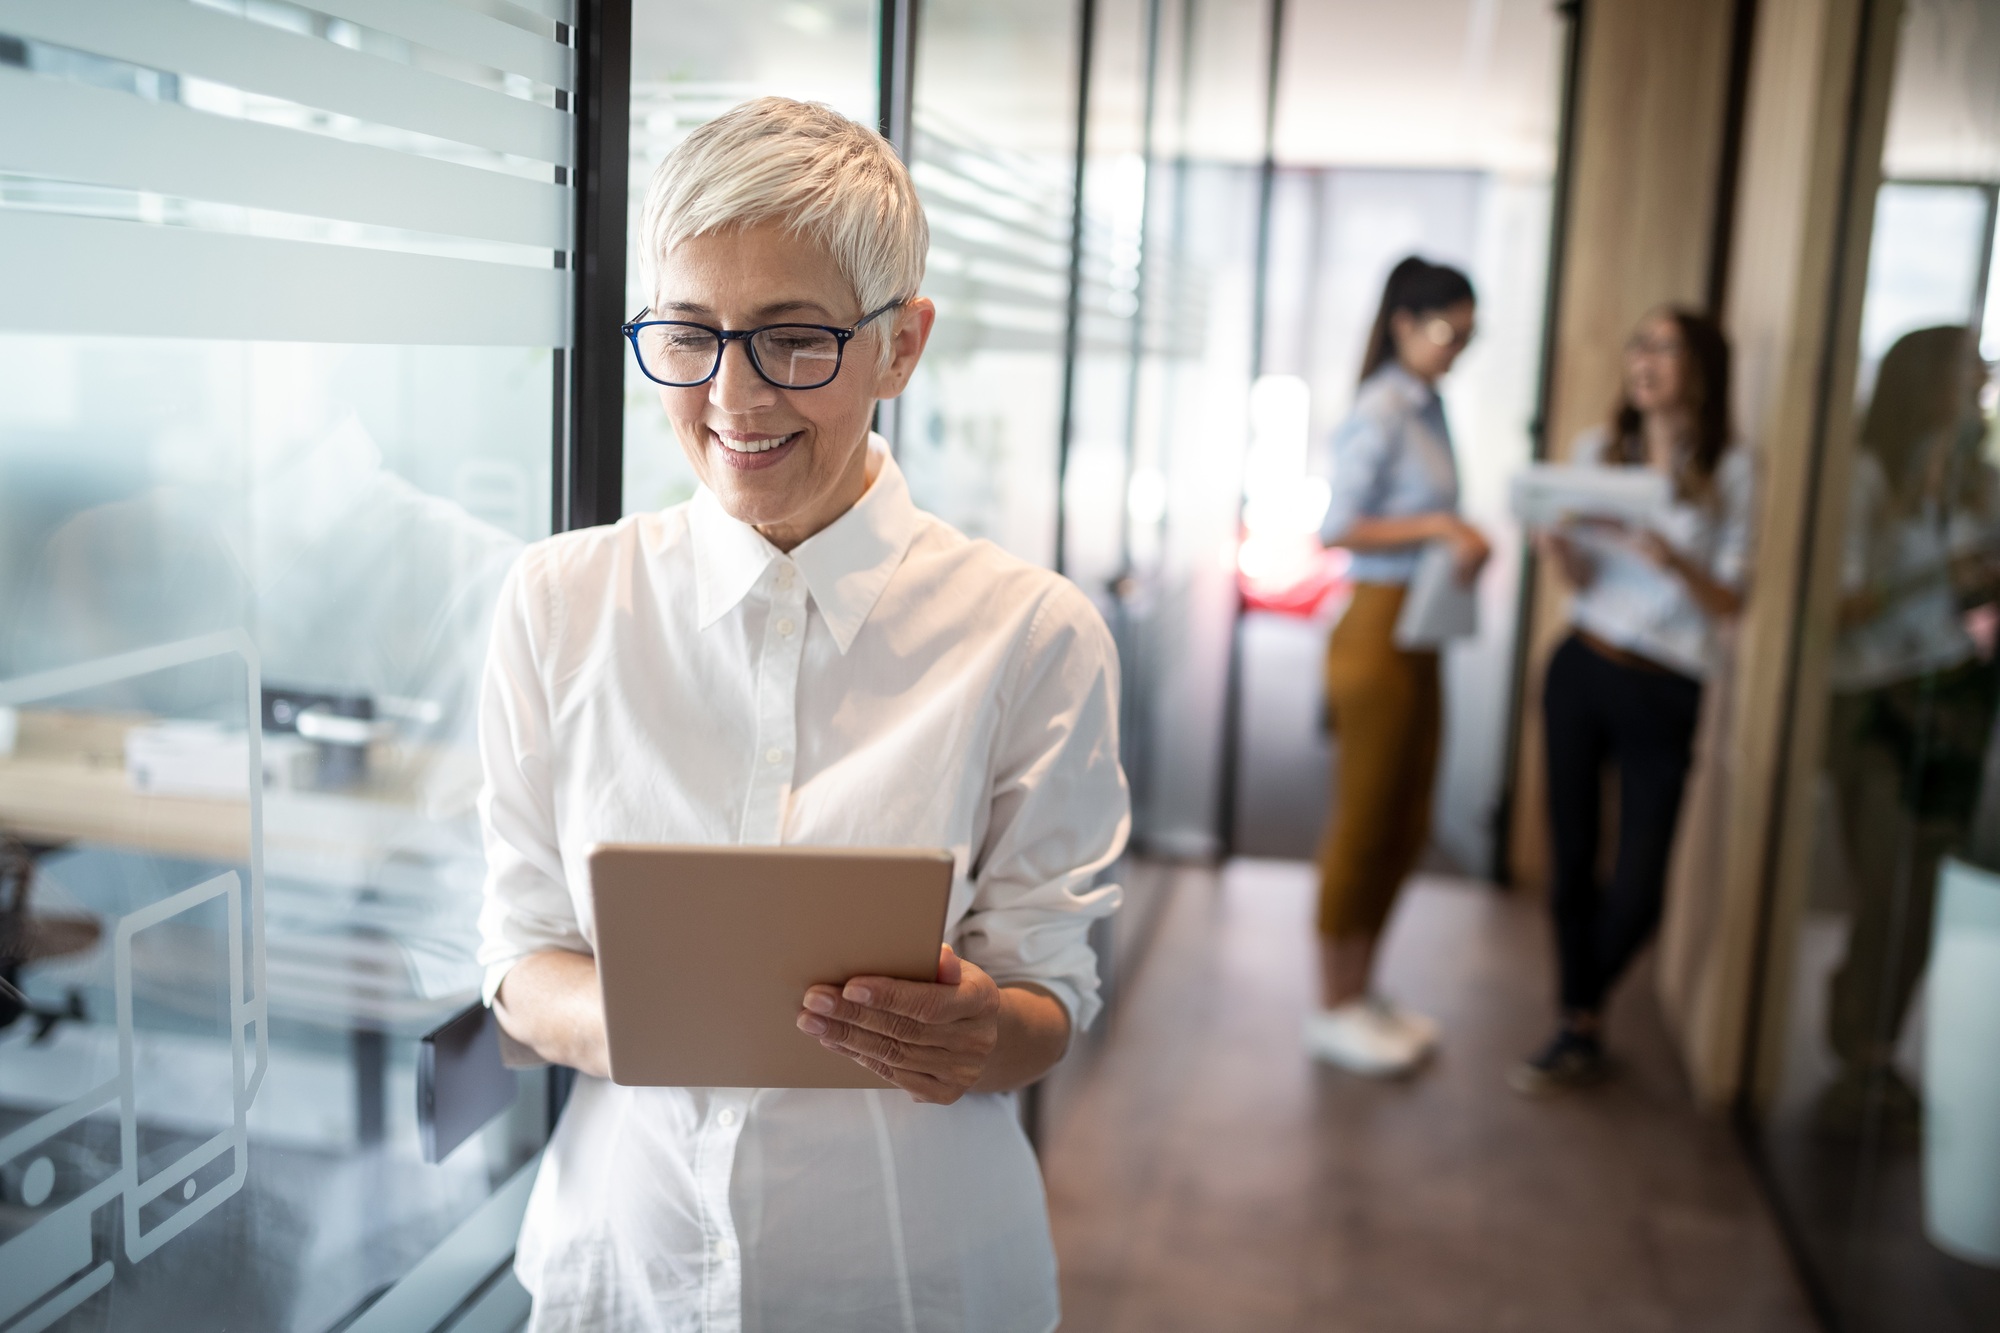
x=812, y=1024
x=819, y=1002
x=859, y=994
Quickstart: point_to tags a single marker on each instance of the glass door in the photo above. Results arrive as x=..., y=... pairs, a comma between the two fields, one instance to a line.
x=1879, y=1114
x=283, y=293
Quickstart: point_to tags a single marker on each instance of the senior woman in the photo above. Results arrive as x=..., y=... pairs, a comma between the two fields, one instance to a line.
x=799, y=655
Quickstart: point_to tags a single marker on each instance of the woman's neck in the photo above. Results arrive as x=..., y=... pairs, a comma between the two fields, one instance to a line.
x=1414, y=373
x=1666, y=434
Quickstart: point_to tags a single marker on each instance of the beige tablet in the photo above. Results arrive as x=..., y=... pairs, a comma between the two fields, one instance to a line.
x=704, y=954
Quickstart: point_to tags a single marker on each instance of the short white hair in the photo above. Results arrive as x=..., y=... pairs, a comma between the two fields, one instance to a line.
x=804, y=165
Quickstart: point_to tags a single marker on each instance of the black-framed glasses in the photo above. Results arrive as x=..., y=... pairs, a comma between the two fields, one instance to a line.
x=684, y=355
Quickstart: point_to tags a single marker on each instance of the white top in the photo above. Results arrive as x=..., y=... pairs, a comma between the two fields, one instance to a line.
x=675, y=678
x=1631, y=602
x=1906, y=558
x=1391, y=458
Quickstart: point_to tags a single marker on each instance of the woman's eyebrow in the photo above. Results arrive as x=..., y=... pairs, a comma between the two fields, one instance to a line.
x=792, y=307
x=762, y=312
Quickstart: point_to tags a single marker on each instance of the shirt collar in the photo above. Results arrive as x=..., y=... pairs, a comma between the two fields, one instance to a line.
x=846, y=564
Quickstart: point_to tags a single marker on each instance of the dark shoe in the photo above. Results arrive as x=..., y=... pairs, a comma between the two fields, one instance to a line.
x=1570, y=1060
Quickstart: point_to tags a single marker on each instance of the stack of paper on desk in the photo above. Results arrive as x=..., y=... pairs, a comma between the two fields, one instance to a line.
x=1544, y=494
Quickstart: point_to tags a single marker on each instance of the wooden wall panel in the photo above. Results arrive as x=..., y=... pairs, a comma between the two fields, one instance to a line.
x=1650, y=117
x=1813, y=136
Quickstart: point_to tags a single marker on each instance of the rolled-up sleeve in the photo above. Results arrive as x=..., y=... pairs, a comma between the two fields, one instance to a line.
x=1361, y=452
x=527, y=906
x=1735, y=540
x=1060, y=813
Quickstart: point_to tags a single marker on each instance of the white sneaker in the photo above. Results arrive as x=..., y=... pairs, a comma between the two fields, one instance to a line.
x=1357, y=1037
x=1422, y=1029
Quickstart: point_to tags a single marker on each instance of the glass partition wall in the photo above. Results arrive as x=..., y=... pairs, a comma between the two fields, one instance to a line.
x=283, y=294
x=1877, y=1110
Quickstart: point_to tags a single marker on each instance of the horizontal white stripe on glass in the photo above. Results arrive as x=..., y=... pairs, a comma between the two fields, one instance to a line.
x=90, y=276
x=187, y=39
x=71, y=131
x=461, y=32
x=562, y=11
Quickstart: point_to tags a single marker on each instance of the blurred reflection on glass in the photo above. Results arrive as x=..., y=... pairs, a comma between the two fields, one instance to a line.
x=350, y=510
x=1913, y=696
x=995, y=138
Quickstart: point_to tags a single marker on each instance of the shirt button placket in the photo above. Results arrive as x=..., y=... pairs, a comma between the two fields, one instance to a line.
x=714, y=1167
x=777, y=709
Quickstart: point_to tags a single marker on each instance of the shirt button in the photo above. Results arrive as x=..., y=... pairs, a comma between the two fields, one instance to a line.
x=785, y=627
x=725, y=1249
x=785, y=576
x=774, y=756
x=726, y=1118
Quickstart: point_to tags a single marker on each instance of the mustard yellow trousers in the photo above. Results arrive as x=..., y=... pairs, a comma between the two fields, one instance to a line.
x=1387, y=714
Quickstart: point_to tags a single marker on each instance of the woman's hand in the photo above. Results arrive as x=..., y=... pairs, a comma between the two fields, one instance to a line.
x=1576, y=566
x=1469, y=550
x=1717, y=599
x=939, y=1040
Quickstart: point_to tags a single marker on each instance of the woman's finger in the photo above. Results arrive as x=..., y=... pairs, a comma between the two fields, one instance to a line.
x=830, y=1011
x=921, y=1087
x=944, y=1066
x=883, y=1044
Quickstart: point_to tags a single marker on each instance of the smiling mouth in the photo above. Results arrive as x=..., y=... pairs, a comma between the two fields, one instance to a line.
x=763, y=446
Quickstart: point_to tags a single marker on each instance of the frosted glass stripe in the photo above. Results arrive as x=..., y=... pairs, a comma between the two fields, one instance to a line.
x=186, y=39
x=461, y=32
x=74, y=132
x=91, y=276
x=562, y=11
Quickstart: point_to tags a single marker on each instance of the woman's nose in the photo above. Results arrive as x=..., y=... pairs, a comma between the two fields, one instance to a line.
x=737, y=386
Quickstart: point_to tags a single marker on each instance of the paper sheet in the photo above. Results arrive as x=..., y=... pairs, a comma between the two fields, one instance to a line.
x=1544, y=494
x=1437, y=608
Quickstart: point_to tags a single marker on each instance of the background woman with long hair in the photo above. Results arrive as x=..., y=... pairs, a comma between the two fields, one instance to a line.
x=1913, y=697
x=1395, y=489
x=1624, y=688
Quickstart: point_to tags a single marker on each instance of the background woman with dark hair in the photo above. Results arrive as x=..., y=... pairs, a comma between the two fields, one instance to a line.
x=1395, y=489
x=1624, y=688
x=1913, y=697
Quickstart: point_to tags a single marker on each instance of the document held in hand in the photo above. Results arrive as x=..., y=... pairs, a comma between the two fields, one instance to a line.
x=1544, y=494
x=1437, y=608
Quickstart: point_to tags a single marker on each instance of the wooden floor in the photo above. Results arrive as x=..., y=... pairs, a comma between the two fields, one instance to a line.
x=1203, y=1176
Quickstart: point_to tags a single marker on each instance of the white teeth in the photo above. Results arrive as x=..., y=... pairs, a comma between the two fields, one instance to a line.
x=753, y=446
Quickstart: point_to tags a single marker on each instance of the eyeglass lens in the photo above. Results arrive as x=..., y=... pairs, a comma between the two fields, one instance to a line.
x=791, y=356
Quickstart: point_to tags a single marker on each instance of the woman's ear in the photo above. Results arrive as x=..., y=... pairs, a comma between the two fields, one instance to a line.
x=908, y=336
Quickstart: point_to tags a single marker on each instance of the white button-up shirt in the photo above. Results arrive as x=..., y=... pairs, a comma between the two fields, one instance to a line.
x=1632, y=603
x=675, y=678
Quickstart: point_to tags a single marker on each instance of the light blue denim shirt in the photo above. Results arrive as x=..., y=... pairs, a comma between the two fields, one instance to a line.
x=1391, y=458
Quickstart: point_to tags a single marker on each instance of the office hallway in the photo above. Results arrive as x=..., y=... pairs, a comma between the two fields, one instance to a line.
x=1203, y=1176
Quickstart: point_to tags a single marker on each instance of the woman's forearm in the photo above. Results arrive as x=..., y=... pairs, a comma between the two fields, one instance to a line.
x=1034, y=1034
x=550, y=1003
x=1717, y=599
x=1369, y=533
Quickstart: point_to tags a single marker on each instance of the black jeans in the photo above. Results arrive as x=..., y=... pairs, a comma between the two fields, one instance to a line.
x=1597, y=712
